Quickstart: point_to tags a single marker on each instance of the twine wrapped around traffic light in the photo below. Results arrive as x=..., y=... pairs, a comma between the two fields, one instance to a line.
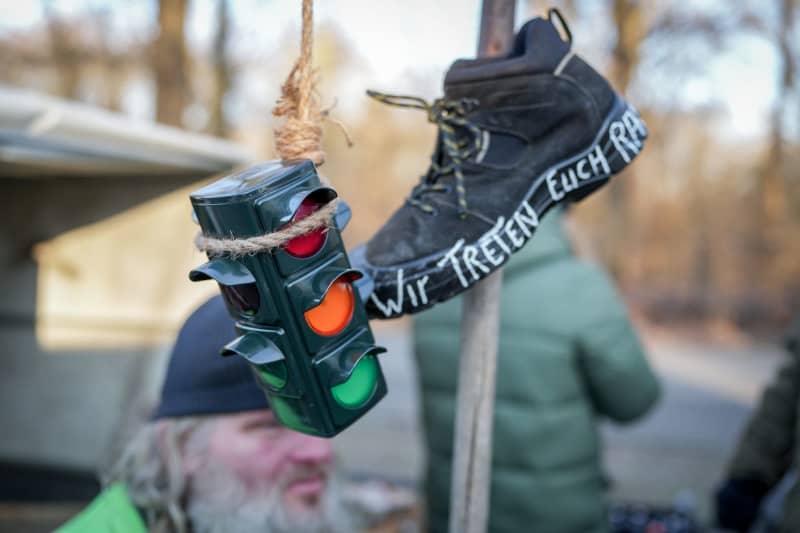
x=323, y=217
x=299, y=137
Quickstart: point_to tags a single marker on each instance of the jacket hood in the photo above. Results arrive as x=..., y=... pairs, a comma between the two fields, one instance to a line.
x=548, y=243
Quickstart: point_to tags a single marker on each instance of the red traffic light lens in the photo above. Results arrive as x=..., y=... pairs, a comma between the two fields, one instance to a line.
x=310, y=243
x=333, y=314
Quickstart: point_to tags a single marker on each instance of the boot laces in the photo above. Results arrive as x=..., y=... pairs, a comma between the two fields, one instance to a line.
x=450, y=117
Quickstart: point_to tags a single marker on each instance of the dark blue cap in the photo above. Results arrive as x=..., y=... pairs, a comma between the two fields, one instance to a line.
x=199, y=380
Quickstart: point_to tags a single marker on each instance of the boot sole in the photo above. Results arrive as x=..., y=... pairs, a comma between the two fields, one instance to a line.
x=418, y=285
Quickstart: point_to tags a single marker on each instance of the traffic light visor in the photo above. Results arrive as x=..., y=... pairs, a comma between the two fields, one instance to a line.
x=237, y=284
x=223, y=270
x=255, y=347
x=267, y=359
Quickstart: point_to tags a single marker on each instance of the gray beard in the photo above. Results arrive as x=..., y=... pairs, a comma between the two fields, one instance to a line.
x=221, y=503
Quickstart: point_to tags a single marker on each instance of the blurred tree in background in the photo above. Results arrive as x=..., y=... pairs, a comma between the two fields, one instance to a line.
x=707, y=227
x=169, y=59
x=223, y=70
x=704, y=226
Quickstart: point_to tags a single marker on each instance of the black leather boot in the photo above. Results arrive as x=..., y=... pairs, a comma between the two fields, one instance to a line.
x=517, y=135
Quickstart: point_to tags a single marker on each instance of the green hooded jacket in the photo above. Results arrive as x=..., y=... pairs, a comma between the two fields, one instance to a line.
x=770, y=444
x=567, y=356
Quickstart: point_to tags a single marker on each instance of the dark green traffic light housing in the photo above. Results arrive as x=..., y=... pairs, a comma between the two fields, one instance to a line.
x=298, y=308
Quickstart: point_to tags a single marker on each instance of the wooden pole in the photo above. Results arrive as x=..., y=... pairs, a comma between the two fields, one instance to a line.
x=480, y=325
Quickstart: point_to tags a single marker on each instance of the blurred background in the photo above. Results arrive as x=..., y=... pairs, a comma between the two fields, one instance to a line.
x=112, y=112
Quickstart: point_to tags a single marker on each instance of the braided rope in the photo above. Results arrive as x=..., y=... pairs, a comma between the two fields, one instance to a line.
x=321, y=218
x=300, y=136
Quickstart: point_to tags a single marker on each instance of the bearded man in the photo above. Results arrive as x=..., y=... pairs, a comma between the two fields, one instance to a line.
x=213, y=458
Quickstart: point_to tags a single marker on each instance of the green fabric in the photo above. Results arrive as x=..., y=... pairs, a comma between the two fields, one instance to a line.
x=769, y=445
x=568, y=354
x=111, y=512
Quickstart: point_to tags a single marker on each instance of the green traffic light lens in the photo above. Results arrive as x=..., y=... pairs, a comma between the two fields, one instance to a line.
x=290, y=412
x=360, y=386
x=274, y=374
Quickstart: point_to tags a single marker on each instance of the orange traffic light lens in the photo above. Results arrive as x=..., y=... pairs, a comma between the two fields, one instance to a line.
x=333, y=314
x=310, y=243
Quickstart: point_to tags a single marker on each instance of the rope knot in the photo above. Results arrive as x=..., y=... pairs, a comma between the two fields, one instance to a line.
x=300, y=139
x=300, y=136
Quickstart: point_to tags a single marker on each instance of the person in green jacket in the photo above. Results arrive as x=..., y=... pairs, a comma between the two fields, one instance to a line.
x=568, y=356
x=214, y=459
x=767, y=451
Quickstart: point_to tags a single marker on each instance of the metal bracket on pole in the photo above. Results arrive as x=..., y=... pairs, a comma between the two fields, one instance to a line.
x=480, y=326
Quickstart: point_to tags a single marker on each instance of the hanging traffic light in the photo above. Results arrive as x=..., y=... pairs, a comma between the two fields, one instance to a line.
x=299, y=309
